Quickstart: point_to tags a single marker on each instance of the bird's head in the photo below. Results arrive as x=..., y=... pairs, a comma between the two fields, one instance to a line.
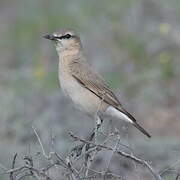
x=65, y=39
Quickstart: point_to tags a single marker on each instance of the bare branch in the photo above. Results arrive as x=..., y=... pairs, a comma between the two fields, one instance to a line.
x=129, y=156
x=69, y=166
x=41, y=145
x=114, y=150
x=13, y=165
x=170, y=167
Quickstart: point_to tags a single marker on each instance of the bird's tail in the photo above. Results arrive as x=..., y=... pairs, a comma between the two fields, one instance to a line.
x=135, y=124
x=120, y=112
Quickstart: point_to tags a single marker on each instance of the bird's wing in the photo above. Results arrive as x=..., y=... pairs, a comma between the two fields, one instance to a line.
x=89, y=79
x=86, y=76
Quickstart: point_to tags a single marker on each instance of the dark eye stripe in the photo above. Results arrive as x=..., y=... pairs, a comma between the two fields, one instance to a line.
x=67, y=36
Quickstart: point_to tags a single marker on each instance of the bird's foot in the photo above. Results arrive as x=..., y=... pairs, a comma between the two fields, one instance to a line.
x=84, y=147
x=80, y=149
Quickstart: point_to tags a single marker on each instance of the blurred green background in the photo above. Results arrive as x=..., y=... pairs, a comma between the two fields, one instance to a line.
x=134, y=44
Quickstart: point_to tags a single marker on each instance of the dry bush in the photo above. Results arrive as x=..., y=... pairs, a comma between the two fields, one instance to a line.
x=79, y=162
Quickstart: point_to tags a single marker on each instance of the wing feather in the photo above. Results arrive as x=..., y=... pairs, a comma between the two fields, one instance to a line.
x=85, y=75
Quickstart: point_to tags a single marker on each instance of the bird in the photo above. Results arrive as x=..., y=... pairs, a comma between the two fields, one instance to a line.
x=82, y=84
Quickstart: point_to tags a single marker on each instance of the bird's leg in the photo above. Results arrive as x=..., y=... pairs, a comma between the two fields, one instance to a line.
x=77, y=150
x=98, y=122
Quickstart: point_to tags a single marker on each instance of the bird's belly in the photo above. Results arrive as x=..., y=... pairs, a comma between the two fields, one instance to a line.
x=83, y=99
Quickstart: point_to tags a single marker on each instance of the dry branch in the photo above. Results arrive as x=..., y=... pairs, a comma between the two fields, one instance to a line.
x=119, y=152
x=68, y=165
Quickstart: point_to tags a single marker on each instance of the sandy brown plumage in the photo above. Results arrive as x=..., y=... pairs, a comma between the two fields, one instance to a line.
x=82, y=84
x=90, y=80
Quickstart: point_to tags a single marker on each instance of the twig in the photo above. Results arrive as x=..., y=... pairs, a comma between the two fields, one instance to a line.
x=94, y=153
x=74, y=173
x=39, y=140
x=112, y=136
x=103, y=174
x=49, y=156
x=14, y=170
x=114, y=149
x=61, y=160
x=119, y=152
x=89, y=157
x=25, y=175
x=13, y=164
x=169, y=167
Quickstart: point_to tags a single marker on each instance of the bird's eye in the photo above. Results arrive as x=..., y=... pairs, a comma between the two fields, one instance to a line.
x=67, y=36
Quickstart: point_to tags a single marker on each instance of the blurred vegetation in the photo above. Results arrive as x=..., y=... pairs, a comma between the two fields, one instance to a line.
x=134, y=44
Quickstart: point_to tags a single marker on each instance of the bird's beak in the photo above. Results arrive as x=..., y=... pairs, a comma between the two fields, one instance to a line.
x=50, y=37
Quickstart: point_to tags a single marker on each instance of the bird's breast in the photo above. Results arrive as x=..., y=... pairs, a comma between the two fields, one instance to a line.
x=83, y=99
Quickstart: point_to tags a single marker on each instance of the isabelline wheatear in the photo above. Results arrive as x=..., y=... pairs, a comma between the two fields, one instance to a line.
x=82, y=84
